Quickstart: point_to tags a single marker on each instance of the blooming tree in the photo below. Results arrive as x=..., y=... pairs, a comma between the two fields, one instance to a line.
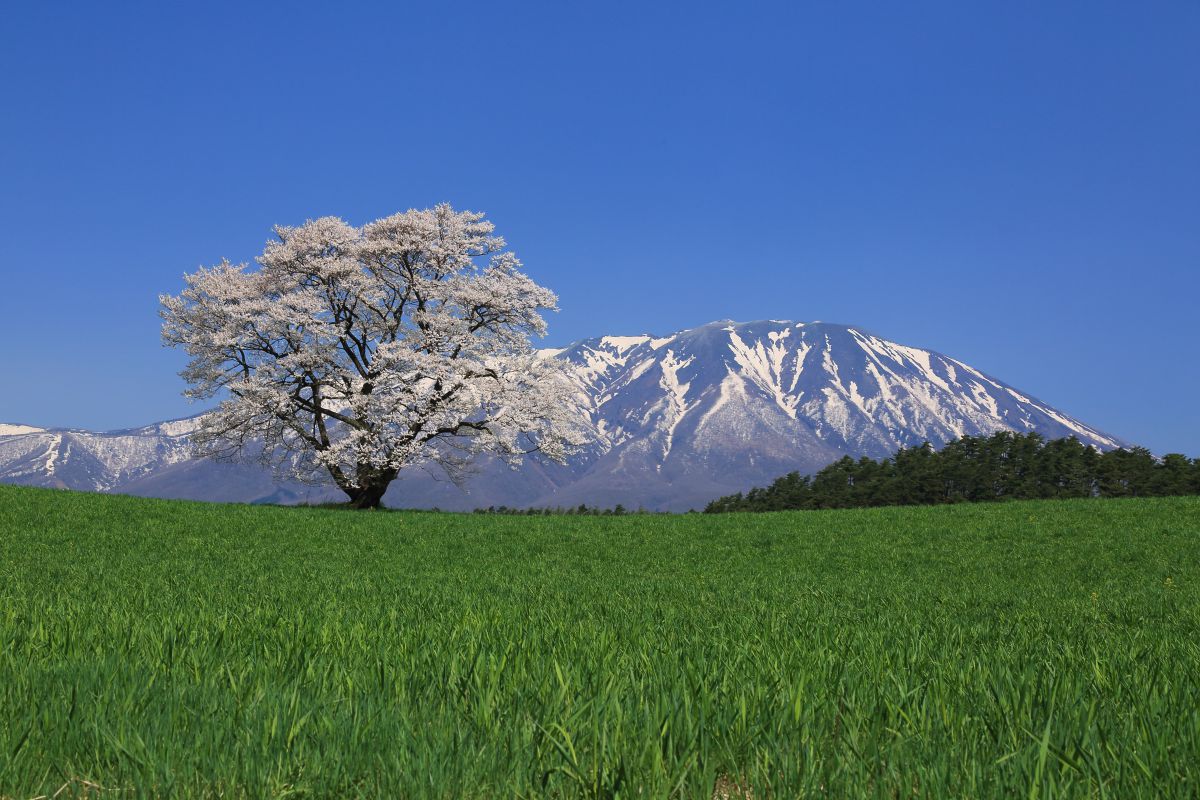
x=362, y=351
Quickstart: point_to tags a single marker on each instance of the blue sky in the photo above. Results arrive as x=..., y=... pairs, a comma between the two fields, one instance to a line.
x=1013, y=184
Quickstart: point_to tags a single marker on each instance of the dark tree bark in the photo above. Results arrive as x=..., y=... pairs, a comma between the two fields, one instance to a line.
x=371, y=485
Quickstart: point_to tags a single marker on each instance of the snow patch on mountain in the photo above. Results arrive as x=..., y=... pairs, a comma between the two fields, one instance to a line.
x=623, y=343
x=18, y=430
x=676, y=396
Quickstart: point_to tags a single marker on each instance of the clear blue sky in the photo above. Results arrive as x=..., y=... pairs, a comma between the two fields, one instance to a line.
x=1013, y=184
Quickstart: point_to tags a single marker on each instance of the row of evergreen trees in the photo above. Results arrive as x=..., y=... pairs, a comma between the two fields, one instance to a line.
x=1004, y=466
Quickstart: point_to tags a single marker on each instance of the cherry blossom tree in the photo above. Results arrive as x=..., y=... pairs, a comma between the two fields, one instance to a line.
x=363, y=351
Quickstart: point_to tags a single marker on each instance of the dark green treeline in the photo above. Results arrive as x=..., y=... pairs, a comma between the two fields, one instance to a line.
x=1004, y=466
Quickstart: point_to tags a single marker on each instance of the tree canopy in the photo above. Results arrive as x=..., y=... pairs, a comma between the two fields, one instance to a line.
x=360, y=351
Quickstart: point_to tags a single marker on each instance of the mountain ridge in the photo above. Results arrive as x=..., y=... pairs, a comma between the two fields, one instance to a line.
x=678, y=420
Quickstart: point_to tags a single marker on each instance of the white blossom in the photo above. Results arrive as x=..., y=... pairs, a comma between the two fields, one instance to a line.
x=364, y=351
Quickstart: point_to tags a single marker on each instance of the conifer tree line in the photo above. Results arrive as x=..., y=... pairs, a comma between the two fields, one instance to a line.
x=1003, y=466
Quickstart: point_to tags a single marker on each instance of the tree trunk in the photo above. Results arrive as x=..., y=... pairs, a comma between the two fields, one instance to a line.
x=371, y=485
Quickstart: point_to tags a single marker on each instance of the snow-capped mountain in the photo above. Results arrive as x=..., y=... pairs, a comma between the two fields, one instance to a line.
x=153, y=461
x=678, y=420
x=79, y=459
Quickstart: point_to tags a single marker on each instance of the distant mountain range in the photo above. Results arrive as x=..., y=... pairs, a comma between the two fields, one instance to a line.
x=679, y=420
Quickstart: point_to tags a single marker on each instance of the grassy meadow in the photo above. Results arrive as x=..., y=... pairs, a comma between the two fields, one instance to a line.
x=1035, y=650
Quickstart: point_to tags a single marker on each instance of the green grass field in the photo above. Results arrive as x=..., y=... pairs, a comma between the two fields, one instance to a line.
x=1037, y=649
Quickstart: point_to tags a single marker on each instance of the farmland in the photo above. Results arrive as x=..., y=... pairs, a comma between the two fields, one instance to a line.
x=1031, y=649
